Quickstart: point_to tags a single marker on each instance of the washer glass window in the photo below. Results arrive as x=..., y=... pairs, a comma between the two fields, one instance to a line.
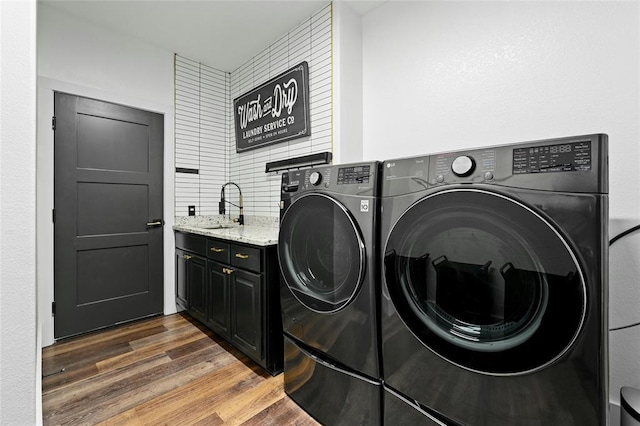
x=484, y=281
x=321, y=252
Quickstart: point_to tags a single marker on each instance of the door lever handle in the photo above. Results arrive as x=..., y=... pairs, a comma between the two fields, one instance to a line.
x=155, y=223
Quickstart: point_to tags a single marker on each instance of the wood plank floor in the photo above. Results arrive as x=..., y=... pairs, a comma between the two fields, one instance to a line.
x=167, y=370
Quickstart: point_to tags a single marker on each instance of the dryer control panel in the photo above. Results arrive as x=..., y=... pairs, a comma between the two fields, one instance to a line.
x=476, y=165
x=565, y=157
x=571, y=164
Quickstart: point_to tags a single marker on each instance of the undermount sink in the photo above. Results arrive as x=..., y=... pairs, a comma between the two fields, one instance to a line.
x=220, y=226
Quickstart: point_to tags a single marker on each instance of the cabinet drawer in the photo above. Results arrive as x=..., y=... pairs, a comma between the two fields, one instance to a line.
x=191, y=242
x=218, y=251
x=245, y=258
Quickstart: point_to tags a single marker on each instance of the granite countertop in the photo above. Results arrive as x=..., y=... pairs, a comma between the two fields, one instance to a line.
x=259, y=231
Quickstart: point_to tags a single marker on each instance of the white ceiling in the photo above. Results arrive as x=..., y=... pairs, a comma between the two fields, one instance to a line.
x=221, y=34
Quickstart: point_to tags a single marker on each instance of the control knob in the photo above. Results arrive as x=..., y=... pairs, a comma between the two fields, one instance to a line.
x=315, y=178
x=463, y=166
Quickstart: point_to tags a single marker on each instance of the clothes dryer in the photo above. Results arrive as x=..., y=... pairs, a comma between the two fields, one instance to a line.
x=327, y=247
x=494, y=296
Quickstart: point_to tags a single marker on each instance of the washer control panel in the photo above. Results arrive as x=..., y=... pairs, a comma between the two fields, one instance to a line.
x=355, y=179
x=354, y=174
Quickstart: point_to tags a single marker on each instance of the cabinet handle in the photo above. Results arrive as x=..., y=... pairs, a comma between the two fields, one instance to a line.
x=187, y=257
x=242, y=256
x=217, y=249
x=227, y=271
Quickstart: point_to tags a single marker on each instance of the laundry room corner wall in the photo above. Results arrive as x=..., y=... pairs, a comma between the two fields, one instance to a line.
x=439, y=76
x=198, y=142
x=19, y=368
x=77, y=57
x=202, y=136
x=347, y=84
x=310, y=41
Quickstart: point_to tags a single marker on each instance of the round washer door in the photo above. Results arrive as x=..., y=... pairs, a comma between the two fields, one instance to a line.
x=484, y=281
x=321, y=253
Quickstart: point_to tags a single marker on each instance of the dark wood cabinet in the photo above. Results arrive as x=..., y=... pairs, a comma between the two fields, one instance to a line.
x=233, y=289
x=218, y=316
x=246, y=312
x=191, y=283
x=182, y=258
x=197, y=283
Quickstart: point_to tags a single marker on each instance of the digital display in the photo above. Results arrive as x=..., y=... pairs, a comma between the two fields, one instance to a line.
x=357, y=174
x=568, y=157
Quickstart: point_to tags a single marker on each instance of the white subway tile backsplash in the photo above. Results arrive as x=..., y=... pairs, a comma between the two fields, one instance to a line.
x=204, y=122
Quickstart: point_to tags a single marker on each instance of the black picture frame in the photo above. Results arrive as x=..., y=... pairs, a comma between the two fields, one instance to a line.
x=274, y=112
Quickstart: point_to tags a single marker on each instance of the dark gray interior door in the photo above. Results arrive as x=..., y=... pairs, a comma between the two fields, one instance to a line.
x=108, y=188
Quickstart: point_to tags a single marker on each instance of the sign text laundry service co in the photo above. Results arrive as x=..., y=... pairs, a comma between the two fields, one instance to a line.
x=275, y=111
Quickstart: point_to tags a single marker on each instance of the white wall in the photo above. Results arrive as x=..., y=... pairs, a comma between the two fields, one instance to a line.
x=83, y=59
x=205, y=122
x=202, y=112
x=309, y=41
x=19, y=370
x=347, y=84
x=440, y=76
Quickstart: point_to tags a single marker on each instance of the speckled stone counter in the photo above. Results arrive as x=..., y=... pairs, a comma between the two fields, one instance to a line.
x=257, y=230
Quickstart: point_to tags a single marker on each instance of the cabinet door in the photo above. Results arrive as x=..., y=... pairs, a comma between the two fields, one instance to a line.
x=218, y=317
x=246, y=312
x=197, y=283
x=181, y=279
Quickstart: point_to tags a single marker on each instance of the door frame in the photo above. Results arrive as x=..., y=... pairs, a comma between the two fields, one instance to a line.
x=44, y=192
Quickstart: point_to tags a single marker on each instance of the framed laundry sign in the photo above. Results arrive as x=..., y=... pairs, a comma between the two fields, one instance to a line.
x=275, y=111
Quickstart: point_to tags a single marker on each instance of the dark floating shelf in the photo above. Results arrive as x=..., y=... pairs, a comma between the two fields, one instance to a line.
x=298, y=162
x=189, y=171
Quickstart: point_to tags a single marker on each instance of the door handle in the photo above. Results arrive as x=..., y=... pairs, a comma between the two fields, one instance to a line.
x=155, y=223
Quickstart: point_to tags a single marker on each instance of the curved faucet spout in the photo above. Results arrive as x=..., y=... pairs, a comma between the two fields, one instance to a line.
x=222, y=206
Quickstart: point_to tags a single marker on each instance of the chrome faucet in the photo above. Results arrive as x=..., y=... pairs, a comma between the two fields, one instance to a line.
x=221, y=204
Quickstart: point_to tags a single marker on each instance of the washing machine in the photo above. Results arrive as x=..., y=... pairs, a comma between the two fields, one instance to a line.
x=327, y=249
x=494, y=285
